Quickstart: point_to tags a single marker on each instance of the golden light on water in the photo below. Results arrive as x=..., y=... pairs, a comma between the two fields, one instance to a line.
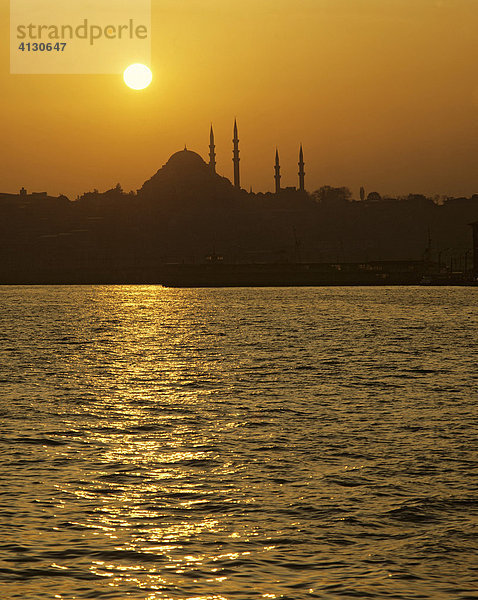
x=176, y=462
x=137, y=76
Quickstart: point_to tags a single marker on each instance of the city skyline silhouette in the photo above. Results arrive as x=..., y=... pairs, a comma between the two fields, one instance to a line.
x=189, y=213
x=382, y=95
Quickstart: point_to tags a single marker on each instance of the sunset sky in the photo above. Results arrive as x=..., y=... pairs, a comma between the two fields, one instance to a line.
x=382, y=93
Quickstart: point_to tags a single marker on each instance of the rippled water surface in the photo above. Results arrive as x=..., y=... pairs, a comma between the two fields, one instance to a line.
x=238, y=443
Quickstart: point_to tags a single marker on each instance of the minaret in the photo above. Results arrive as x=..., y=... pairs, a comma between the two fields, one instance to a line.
x=212, y=151
x=301, y=170
x=277, y=171
x=236, y=159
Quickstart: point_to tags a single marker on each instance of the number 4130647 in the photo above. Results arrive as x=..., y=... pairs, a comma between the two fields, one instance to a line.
x=42, y=47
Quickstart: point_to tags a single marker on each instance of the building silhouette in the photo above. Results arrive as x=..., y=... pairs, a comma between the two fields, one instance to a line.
x=277, y=174
x=236, y=162
x=236, y=159
x=301, y=170
x=212, y=151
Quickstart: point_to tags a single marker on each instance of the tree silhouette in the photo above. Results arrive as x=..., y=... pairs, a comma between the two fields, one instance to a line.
x=327, y=195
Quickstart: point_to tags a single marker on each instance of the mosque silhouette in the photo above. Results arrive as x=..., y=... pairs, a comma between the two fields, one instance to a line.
x=185, y=161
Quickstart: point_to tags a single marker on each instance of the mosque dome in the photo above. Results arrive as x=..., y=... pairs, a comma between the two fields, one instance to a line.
x=185, y=170
x=185, y=160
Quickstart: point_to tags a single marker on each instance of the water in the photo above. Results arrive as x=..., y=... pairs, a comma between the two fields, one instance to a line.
x=238, y=443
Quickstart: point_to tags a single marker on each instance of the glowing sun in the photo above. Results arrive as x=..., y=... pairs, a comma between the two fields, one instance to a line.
x=137, y=76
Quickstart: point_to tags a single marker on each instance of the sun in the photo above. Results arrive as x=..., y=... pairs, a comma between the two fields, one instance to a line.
x=137, y=76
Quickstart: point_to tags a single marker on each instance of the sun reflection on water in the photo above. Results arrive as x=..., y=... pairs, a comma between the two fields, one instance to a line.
x=215, y=444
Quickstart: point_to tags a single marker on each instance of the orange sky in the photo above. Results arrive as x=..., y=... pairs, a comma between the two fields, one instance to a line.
x=382, y=93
